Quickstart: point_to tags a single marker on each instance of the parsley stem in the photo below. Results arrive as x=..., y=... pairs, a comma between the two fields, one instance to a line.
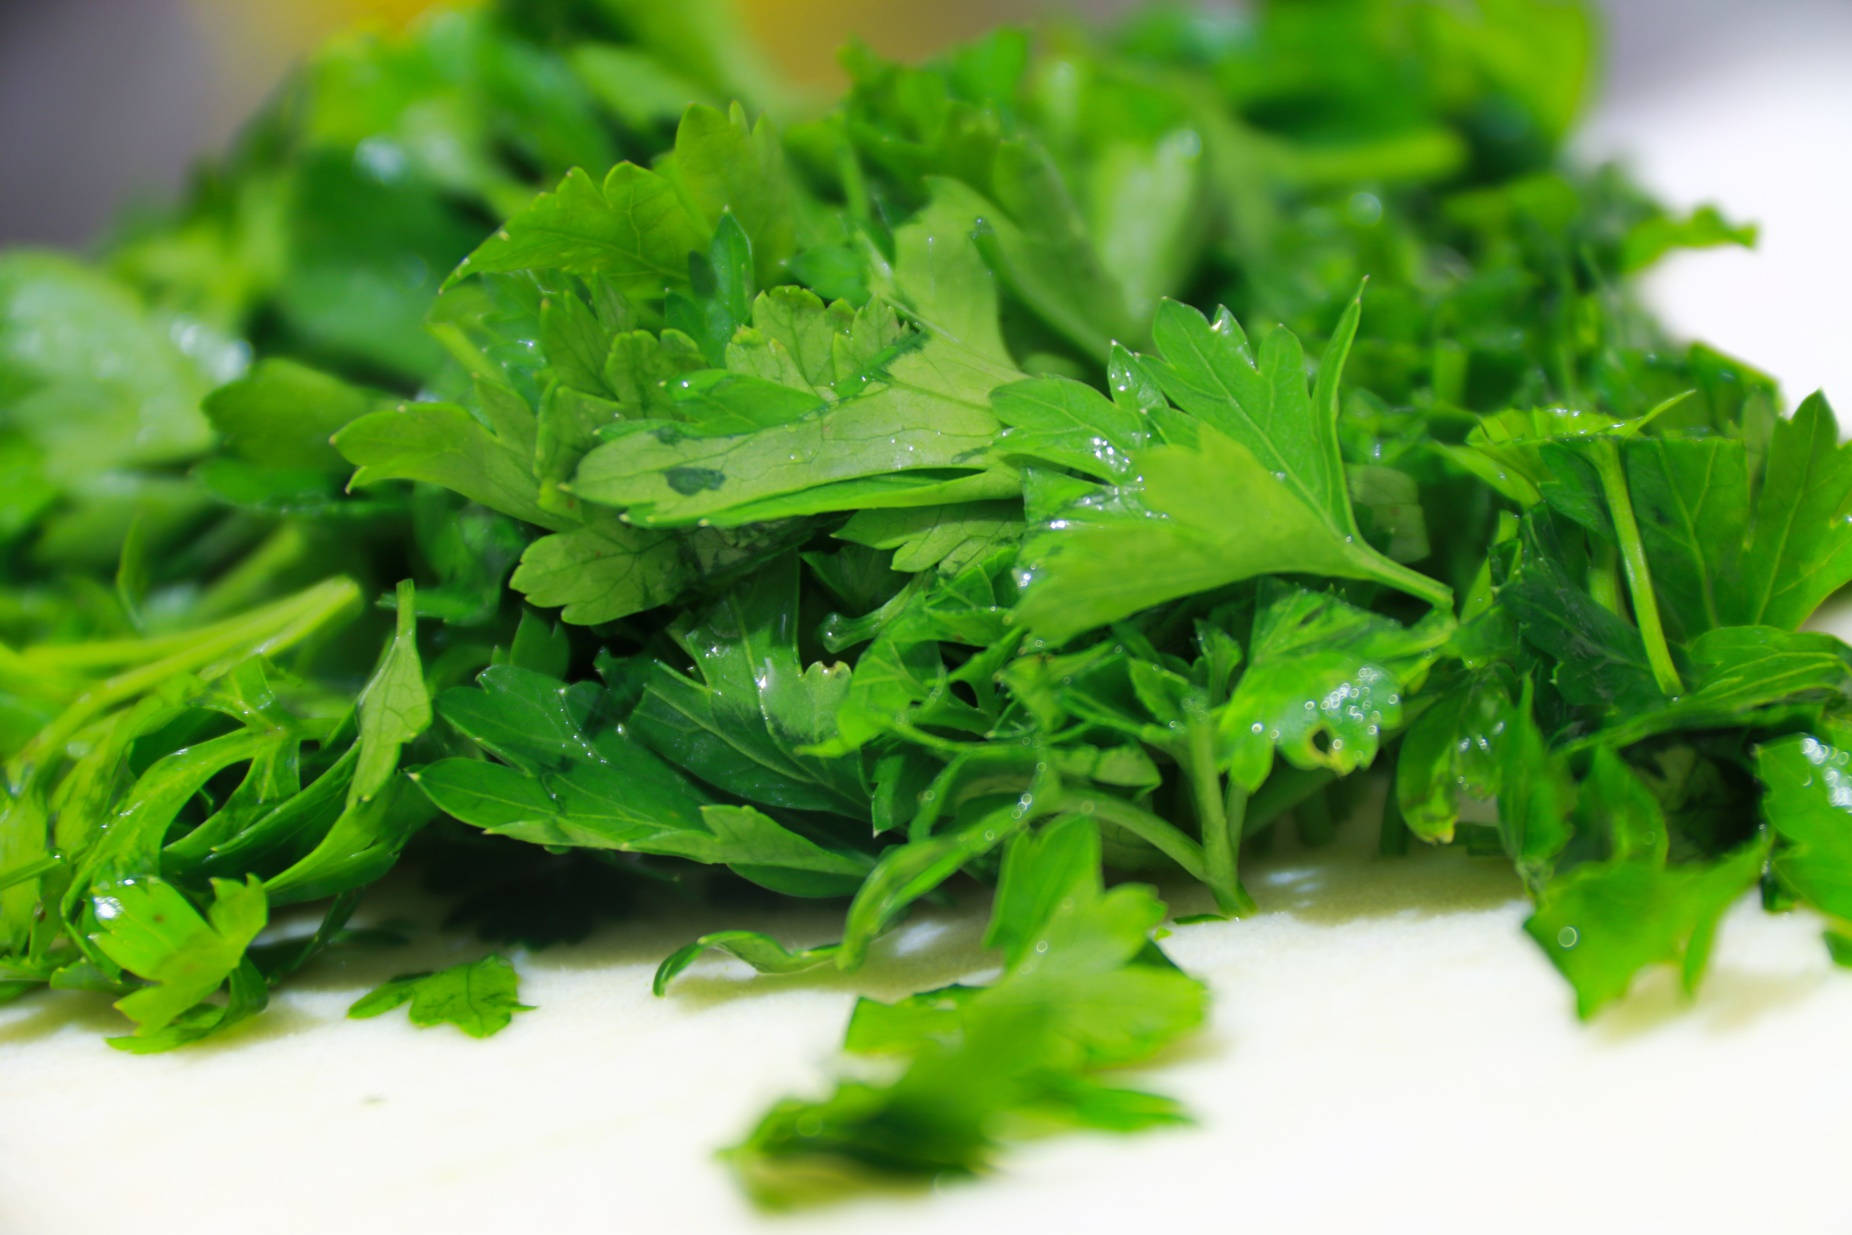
x=29, y=871
x=1156, y=832
x=1604, y=577
x=1220, y=815
x=1633, y=558
x=261, y=632
x=1284, y=789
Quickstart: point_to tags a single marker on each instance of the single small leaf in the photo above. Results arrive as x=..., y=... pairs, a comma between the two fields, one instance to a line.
x=603, y=571
x=443, y=445
x=394, y=707
x=633, y=229
x=1603, y=922
x=762, y=952
x=1807, y=800
x=148, y=928
x=478, y=997
x=1800, y=544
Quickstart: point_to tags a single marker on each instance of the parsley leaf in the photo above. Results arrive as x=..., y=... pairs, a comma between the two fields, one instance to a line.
x=477, y=997
x=1178, y=528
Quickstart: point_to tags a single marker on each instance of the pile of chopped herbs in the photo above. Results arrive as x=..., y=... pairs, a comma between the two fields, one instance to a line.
x=551, y=455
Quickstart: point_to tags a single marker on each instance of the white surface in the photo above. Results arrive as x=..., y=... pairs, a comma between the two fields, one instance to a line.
x=1764, y=129
x=1387, y=1051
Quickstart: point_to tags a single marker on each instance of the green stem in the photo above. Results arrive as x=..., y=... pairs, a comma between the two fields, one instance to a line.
x=1402, y=578
x=1157, y=833
x=1221, y=842
x=261, y=632
x=1633, y=558
x=1285, y=789
x=1604, y=577
x=31, y=870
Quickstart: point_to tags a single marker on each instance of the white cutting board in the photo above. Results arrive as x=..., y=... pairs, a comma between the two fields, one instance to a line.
x=1387, y=1051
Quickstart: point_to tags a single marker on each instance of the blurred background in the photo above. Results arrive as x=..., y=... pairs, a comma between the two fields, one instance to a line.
x=1746, y=103
x=104, y=102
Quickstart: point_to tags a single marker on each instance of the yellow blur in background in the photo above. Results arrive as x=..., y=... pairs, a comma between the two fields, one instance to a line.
x=255, y=42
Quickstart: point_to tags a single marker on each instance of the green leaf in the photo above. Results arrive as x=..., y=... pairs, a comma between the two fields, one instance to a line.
x=907, y=872
x=762, y=952
x=1450, y=753
x=360, y=845
x=947, y=538
x=90, y=376
x=603, y=571
x=633, y=230
x=568, y=788
x=1505, y=450
x=1177, y=531
x=1260, y=399
x=752, y=721
x=442, y=444
x=1536, y=795
x=1704, y=228
x=723, y=165
x=1692, y=498
x=492, y=796
x=1800, y=544
x=148, y=928
x=757, y=847
x=635, y=86
x=282, y=415
x=1145, y=210
x=1616, y=801
x=525, y=718
x=1744, y=676
x=907, y=423
x=478, y=997
x=1041, y=869
x=247, y=994
x=1324, y=683
x=1071, y=426
x=941, y=277
x=1253, y=485
x=1807, y=790
x=1603, y=922
x=394, y=707
x=1047, y=261
x=1083, y=989
x=1600, y=658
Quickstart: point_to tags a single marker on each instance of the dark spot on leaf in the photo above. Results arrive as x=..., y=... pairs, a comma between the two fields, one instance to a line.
x=690, y=480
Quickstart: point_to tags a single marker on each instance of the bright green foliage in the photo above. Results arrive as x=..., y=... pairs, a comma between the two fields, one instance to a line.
x=1323, y=682
x=394, y=708
x=1606, y=920
x=477, y=997
x=862, y=503
x=149, y=929
x=1251, y=484
x=632, y=230
x=1083, y=989
x=1808, y=796
x=762, y=952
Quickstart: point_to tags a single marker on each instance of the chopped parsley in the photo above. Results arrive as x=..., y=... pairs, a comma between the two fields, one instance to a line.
x=551, y=455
